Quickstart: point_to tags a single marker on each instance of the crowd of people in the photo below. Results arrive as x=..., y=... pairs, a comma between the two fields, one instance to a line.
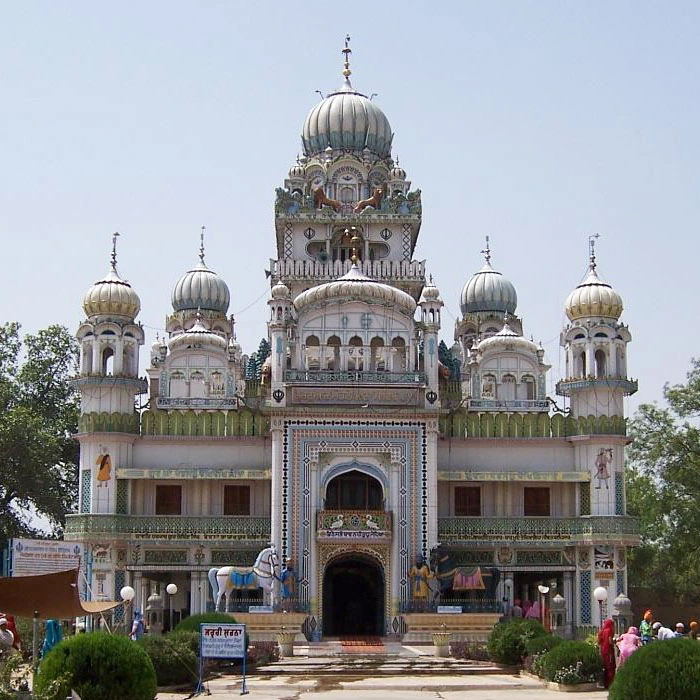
x=614, y=651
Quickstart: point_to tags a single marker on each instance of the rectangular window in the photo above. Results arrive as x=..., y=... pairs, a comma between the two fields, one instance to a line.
x=536, y=500
x=168, y=499
x=236, y=500
x=468, y=500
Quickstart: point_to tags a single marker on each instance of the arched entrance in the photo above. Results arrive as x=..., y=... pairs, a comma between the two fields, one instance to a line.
x=353, y=597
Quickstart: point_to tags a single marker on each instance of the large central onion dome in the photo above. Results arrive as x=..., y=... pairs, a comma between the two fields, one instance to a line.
x=347, y=120
x=112, y=296
x=593, y=298
x=488, y=290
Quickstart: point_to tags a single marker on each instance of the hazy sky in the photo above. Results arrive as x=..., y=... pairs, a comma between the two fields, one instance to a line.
x=537, y=123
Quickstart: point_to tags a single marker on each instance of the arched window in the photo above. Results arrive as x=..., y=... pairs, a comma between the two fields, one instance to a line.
x=108, y=361
x=378, y=355
x=198, y=389
x=178, y=386
x=217, y=384
x=354, y=489
x=582, y=364
x=528, y=388
x=488, y=387
x=333, y=353
x=312, y=351
x=600, y=363
x=507, y=388
x=355, y=354
x=87, y=358
x=398, y=355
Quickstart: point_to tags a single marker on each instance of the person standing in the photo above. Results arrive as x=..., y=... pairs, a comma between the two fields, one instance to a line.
x=627, y=644
x=419, y=575
x=645, y=630
x=607, y=651
x=137, y=626
x=680, y=629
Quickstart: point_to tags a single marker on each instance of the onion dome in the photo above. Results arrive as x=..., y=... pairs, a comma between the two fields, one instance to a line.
x=346, y=120
x=488, y=290
x=507, y=339
x=112, y=296
x=354, y=286
x=397, y=173
x=593, y=297
x=201, y=288
x=296, y=172
x=280, y=291
x=430, y=292
x=198, y=337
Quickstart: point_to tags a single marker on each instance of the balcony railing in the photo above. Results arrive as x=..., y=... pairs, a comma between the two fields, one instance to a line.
x=353, y=524
x=566, y=386
x=328, y=377
x=390, y=270
x=169, y=527
x=220, y=403
x=469, y=529
x=508, y=405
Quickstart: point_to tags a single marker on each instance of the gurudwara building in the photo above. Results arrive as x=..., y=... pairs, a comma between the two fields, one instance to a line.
x=359, y=442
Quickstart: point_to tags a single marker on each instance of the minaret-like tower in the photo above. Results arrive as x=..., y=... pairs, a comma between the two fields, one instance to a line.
x=430, y=304
x=108, y=383
x=280, y=315
x=595, y=343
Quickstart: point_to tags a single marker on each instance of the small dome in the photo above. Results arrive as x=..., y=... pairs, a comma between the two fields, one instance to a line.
x=201, y=288
x=593, y=298
x=430, y=293
x=507, y=337
x=356, y=286
x=112, y=296
x=488, y=290
x=397, y=173
x=280, y=291
x=296, y=172
x=198, y=336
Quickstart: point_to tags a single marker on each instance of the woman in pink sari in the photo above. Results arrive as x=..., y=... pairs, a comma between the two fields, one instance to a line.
x=627, y=644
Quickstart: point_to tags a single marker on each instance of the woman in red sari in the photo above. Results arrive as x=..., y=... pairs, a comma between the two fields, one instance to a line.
x=607, y=651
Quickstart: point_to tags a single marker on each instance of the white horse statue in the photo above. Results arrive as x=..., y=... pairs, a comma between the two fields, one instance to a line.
x=263, y=574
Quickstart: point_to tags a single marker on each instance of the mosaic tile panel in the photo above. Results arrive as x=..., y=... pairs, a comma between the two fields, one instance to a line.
x=122, y=497
x=585, y=499
x=85, y=489
x=119, y=583
x=620, y=582
x=619, y=493
x=585, y=597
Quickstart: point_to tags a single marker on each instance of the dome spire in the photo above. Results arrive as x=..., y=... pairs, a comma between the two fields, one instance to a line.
x=346, y=63
x=487, y=252
x=201, y=245
x=113, y=261
x=591, y=250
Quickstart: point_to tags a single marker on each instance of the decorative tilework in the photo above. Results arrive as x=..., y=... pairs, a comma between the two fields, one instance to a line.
x=288, y=240
x=619, y=493
x=85, y=487
x=585, y=597
x=545, y=557
x=585, y=499
x=122, y=497
x=620, y=581
x=406, y=241
x=119, y=582
x=165, y=556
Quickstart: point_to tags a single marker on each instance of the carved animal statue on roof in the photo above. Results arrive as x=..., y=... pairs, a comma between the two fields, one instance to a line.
x=321, y=200
x=374, y=201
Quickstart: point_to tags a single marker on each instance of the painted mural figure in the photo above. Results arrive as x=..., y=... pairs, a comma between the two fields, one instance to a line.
x=104, y=473
x=419, y=576
x=602, y=473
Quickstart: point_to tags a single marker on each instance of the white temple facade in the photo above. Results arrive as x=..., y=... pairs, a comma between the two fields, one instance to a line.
x=358, y=444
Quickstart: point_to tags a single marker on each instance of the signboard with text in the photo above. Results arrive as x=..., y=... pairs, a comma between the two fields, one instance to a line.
x=221, y=641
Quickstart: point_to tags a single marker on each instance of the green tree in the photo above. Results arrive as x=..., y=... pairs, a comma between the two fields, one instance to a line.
x=38, y=451
x=663, y=484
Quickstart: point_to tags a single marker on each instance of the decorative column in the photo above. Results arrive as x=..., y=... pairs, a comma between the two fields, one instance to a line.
x=276, y=434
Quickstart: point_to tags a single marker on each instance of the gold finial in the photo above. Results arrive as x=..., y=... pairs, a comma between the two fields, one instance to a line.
x=115, y=235
x=354, y=242
x=591, y=249
x=487, y=251
x=201, y=245
x=347, y=51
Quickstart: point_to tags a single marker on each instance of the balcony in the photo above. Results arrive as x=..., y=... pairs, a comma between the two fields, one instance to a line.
x=224, y=528
x=292, y=269
x=586, y=529
x=328, y=377
x=566, y=386
x=352, y=524
x=512, y=405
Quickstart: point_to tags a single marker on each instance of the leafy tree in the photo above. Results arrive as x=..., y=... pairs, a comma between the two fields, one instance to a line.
x=663, y=484
x=257, y=359
x=446, y=356
x=38, y=453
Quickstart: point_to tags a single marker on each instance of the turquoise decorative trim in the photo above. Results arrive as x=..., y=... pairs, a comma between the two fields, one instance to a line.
x=585, y=499
x=585, y=600
x=85, y=490
x=619, y=493
x=122, y=497
x=119, y=583
x=324, y=377
x=494, y=530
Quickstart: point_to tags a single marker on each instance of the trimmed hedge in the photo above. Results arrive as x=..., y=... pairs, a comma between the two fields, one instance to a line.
x=660, y=671
x=540, y=645
x=174, y=657
x=98, y=666
x=580, y=655
x=507, y=640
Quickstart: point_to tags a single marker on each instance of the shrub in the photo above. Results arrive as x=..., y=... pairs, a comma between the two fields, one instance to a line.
x=660, y=670
x=540, y=645
x=506, y=642
x=473, y=651
x=572, y=663
x=172, y=656
x=191, y=623
x=98, y=666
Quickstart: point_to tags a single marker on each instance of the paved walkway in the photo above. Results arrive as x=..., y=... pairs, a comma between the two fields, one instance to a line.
x=322, y=672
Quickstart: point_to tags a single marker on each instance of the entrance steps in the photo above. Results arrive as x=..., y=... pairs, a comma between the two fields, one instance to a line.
x=393, y=659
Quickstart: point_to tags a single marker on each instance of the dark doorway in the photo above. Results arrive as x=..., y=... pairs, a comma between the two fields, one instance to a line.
x=354, y=490
x=353, y=597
